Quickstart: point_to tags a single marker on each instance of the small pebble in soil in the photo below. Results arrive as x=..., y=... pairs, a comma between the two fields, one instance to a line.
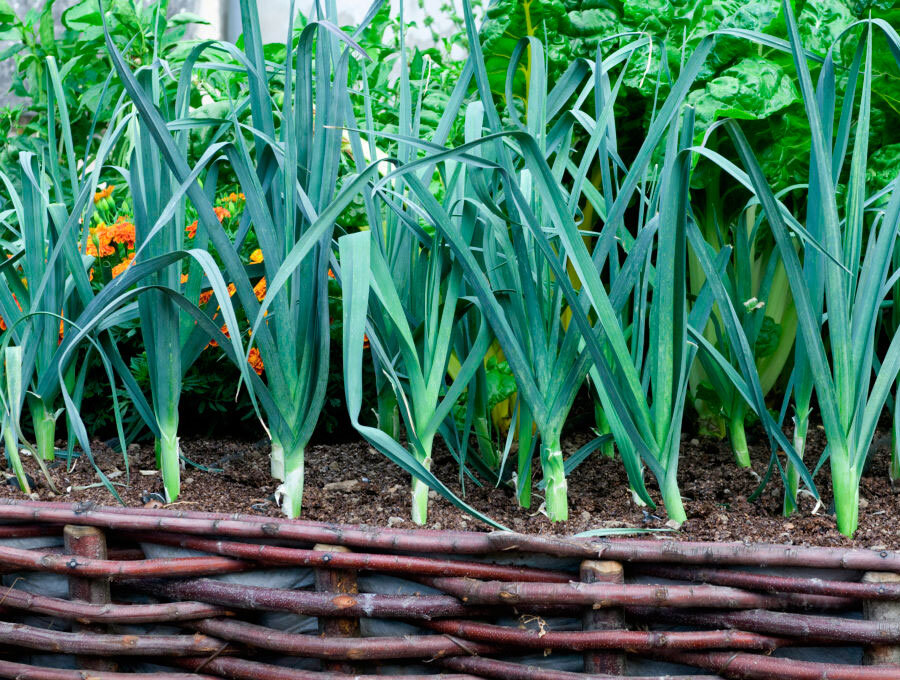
x=345, y=486
x=394, y=521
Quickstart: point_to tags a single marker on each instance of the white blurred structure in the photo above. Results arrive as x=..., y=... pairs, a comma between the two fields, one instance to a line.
x=273, y=17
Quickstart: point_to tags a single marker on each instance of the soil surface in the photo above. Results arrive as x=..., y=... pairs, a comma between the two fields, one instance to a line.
x=352, y=483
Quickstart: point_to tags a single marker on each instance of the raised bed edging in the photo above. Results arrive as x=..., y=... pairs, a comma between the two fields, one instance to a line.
x=210, y=595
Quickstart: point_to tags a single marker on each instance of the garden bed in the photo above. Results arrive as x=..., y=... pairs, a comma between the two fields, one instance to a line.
x=112, y=593
x=377, y=493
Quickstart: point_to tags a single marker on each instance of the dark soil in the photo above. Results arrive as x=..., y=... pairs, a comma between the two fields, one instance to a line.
x=352, y=483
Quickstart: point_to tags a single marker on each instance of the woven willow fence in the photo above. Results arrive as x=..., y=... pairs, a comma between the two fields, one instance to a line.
x=474, y=605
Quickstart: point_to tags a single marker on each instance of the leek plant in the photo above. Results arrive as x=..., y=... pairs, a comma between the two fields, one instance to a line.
x=854, y=270
x=152, y=186
x=424, y=335
x=44, y=281
x=171, y=338
x=516, y=289
x=758, y=287
x=513, y=189
x=53, y=311
x=289, y=177
x=418, y=321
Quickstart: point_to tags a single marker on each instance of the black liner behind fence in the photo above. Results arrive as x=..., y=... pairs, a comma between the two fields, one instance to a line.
x=472, y=607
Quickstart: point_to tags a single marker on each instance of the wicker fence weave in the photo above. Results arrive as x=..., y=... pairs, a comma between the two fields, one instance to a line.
x=468, y=605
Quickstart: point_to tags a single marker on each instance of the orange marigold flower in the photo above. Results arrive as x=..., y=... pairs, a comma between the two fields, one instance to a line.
x=191, y=229
x=255, y=361
x=2, y=324
x=231, y=289
x=330, y=274
x=103, y=193
x=222, y=213
x=256, y=256
x=260, y=289
x=365, y=341
x=234, y=198
x=184, y=278
x=123, y=265
x=122, y=232
x=99, y=242
x=204, y=297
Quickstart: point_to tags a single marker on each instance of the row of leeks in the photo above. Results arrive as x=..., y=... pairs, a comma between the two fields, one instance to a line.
x=471, y=249
x=508, y=217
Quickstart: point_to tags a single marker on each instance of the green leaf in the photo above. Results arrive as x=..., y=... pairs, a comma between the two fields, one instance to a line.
x=753, y=88
x=7, y=14
x=768, y=338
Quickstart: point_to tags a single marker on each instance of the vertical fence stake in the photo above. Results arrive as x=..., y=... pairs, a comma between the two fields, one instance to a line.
x=873, y=610
x=337, y=581
x=611, y=618
x=91, y=543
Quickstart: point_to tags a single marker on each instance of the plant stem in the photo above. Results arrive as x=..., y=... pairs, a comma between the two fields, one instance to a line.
x=895, y=442
x=276, y=459
x=44, y=430
x=12, y=452
x=419, y=502
x=388, y=412
x=557, y=501
x=672, y=497
x=420, y=488
x=525, y=432
x=482, y=426
x=801, y=425
x=738, y=436
x=169, y=456
x=290, y=493
x=845, y=482
x=607, y=448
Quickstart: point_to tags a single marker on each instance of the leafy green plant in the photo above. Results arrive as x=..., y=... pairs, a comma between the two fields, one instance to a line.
x=142, y=31
x=853, y=278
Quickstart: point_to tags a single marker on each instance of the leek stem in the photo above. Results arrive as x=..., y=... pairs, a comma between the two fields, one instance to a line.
x=12, y=452
x=290, y=493
x=845, y=482
x=44, y=430
x=895, y=442
x=801, y=425
x=388, y=412
x=482, y=426
x=276, y=458
x=420, y=488
x=738, y=436
x=523, y=481
x=169, y=454
x=606, y=448
x=525, y=430
x=556, y=498
x=672, y=498
x=419, y=501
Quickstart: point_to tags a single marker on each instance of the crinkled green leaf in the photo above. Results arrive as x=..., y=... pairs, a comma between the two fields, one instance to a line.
x=753, y=88
x=768, y=338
